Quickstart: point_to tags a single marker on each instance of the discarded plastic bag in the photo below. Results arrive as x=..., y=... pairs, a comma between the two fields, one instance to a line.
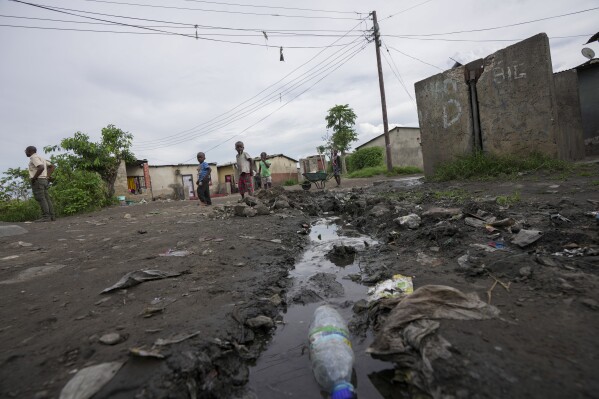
x=172, y=252
x=409, y=335
x=139, y=276
x=89, y=380
x=526, y=237
x=391, y=288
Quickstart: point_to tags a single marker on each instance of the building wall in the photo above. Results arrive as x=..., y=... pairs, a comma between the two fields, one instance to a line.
x=405, y=147
x=167, y=180
x=517, y=105
x=444, y=117
x=588, y=80
x=120, y=184
x=282, y=169
x=314, y=163
x=222, y=172
x=570, y=120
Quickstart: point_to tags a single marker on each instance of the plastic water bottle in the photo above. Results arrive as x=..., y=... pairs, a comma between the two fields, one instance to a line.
x=331, y=353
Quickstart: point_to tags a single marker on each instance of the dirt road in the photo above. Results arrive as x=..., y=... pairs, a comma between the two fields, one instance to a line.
x=223, y=284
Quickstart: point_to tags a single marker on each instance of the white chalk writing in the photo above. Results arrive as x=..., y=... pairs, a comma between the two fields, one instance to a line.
x=452, y=109
x=513, y=71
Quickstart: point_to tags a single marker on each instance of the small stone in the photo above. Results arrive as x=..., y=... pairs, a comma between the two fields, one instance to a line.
x=275, y=300
x=525, y=271
x=411, y=221
x=110, y=339
x=127, y=216
x=260, y=322
x=591, y=303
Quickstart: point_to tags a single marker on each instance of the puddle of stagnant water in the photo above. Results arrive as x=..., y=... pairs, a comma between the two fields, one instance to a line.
x=408, y=181
x=283, y=370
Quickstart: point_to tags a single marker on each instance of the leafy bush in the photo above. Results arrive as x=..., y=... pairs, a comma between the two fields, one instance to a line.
x=365, y=158
x=76, y=191
x=290, y=182
x=17, y=210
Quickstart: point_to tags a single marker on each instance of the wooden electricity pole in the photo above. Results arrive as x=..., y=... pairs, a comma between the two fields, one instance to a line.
x=377, y=42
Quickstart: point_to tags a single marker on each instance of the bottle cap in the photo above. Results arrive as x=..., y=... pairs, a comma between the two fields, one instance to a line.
x=343, y=391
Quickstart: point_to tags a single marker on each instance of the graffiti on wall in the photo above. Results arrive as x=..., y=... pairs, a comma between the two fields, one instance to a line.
x=445, y=95
x=502, y=73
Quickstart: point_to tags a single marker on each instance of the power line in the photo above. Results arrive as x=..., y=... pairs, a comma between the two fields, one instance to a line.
x=147, y=28
x=264, y=90
x=501, y=27
x=482, y=40
x=407, y=9
x=218, y=11
x=398, y=76
x=271, y=33
x=267, y=116
x=275, y=95
x=271, y=7
x=258, y=6
x=417, y=59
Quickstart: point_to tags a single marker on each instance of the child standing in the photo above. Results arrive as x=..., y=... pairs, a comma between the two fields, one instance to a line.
x=245, y=169
x=336, y=163
x=203, y=182
x=265, y=172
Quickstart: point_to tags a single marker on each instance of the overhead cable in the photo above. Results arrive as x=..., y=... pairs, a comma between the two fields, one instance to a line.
x=408, y=55
x=274, y=96
x=282, y=106
x=219, y=11
x=321, y=52
x=499, y=27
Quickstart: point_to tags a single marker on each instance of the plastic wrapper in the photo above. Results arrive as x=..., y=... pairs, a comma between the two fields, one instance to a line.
x=391, y=288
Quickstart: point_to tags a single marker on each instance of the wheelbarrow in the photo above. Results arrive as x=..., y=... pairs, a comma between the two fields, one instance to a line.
x=319, y=179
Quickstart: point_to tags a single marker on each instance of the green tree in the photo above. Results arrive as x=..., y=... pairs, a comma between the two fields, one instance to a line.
x=103, y=158
x=14, y=184
x=341, y=119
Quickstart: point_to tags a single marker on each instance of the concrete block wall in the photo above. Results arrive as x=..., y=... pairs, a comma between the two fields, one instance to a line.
x=570, y=139
x=517, y=106
x=445, y=117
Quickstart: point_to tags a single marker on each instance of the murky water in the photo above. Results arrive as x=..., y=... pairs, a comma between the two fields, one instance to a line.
x=283, y=370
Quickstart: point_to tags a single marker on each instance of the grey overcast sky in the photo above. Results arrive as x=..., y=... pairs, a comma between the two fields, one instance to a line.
x=79, y=65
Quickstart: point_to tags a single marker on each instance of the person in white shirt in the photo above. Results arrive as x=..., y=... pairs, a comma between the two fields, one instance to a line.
x=40, y=171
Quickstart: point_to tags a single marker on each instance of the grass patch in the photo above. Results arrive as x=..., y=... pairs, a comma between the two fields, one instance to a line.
x=505, y=200
x=290, y=182
x=595, y=183
x=484, y=166
x=454, y=195
x=382, y=170
x=19, y=210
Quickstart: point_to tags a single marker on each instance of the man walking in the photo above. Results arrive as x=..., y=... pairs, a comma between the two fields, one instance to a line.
x=40, y=171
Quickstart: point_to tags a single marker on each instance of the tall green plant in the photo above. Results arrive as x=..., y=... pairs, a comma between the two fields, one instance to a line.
x=103, y=158
x=15, y=184
x=341, y=120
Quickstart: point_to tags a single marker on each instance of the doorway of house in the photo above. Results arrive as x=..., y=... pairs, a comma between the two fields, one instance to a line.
x=188, y=187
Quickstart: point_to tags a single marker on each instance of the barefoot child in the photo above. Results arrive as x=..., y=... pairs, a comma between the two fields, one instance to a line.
x=265, y=172
x=245, y=169
x=203, y=182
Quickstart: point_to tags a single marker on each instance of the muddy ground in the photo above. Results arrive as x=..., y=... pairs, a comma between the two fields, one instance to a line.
x=196, y=332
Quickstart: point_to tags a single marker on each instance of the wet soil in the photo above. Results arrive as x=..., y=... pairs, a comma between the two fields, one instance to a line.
x=236, y=282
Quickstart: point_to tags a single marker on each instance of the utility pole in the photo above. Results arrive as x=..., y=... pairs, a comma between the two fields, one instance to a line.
x=377, y=42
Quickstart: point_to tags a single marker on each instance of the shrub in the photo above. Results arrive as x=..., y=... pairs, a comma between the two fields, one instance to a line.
x=19, y=210
x=76, y=191
x=290, y=182
x=365, y=158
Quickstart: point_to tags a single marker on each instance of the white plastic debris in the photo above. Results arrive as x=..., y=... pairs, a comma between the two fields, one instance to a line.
x=391, y=288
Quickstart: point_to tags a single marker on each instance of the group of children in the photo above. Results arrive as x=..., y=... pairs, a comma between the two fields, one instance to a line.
x=245, y=169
